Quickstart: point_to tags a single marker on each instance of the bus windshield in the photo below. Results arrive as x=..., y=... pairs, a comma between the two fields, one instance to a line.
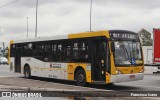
x=127, y=53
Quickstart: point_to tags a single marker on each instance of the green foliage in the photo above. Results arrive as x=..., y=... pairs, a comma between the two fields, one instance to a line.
x=145, y=37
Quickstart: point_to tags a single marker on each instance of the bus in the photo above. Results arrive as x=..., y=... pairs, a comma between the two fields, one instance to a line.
x=100, y=57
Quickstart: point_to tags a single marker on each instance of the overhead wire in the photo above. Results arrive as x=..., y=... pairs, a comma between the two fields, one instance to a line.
x=8, y=3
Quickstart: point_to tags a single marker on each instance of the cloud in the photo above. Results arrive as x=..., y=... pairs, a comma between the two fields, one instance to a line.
x=59, y=17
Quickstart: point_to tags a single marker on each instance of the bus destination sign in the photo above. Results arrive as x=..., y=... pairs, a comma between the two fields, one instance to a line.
x=123, y=35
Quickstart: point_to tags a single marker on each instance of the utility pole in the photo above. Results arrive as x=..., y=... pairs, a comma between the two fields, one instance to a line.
x=27, y=26
x=36, y=18
x=91, y=16
x=0, y=30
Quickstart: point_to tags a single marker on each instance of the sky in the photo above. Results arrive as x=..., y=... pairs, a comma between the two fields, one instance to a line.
x=62, y=17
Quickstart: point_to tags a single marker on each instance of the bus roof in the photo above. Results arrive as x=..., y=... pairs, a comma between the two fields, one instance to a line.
x=71, y=36
x=41, y=39
x=60, y=37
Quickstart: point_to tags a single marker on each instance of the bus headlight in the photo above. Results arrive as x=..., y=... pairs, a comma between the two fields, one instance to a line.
x=118, y=72
x=141, y=71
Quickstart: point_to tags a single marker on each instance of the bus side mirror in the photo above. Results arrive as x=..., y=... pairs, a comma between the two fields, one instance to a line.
x=112, y=46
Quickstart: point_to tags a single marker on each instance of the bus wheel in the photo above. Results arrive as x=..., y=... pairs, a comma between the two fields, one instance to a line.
x=80, y=78
x=27, y=72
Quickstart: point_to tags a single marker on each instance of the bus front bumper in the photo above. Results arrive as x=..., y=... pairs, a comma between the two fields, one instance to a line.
x=126, y=77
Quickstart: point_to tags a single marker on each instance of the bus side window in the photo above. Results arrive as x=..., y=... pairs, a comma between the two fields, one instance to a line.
x=61, y=52
x=60, y=47
x=75, y=51
x=84, y=51
x=29, y=51
x=47, y=47
x=12, y=50
x=68, y=51
x=47, y=51
x=42, y=46
x=80, y=51
x=25, y=48
x=54, y=52
x=54, y=48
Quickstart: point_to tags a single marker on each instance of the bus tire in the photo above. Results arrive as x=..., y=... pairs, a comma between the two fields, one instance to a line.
x=80, y=77
x=27, y=72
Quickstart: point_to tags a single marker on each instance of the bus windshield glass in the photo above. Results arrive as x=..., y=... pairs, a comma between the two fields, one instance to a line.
x=128, y=53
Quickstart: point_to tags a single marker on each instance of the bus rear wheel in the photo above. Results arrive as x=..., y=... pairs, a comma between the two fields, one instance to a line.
x=27, y=72
x=80, y=78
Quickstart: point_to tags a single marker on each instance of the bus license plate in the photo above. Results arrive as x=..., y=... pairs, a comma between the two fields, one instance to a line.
x=132, y=76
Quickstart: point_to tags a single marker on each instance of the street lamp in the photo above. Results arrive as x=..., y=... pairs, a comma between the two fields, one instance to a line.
x=36, y=18
x=0, y=30
x=91, y=16
x=27, y=26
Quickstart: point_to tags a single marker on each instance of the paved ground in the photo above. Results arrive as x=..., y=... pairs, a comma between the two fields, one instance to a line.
x=16, y=82
x=149, y=83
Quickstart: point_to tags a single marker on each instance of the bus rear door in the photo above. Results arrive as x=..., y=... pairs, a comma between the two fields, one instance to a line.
x=18, y=59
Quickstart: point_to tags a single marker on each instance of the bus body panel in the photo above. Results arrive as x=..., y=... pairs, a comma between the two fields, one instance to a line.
x=108, y=77
x=54, y=69
x=126, y=77
x=72, y=67
x=130, y=70
x=89, y=34
x=45, y=69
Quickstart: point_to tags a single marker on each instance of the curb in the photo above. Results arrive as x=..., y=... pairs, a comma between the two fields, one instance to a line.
x=39, y=89
x=17, y=88
x=52, y=92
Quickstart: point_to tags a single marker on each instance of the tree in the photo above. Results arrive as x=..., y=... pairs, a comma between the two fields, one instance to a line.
x=145, y=37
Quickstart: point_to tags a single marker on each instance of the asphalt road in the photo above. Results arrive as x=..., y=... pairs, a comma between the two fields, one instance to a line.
x=13, y=81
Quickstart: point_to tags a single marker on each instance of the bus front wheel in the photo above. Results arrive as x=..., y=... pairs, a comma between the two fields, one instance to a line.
x=27, y=72
x=80, y=78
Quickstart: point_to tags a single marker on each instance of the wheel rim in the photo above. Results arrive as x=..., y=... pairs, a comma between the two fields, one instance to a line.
x=81, y=78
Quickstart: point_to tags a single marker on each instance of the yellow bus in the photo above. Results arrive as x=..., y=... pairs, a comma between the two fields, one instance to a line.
x=90, y=57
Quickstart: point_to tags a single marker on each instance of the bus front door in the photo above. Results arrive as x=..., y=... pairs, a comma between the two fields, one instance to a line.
x=99, y=61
